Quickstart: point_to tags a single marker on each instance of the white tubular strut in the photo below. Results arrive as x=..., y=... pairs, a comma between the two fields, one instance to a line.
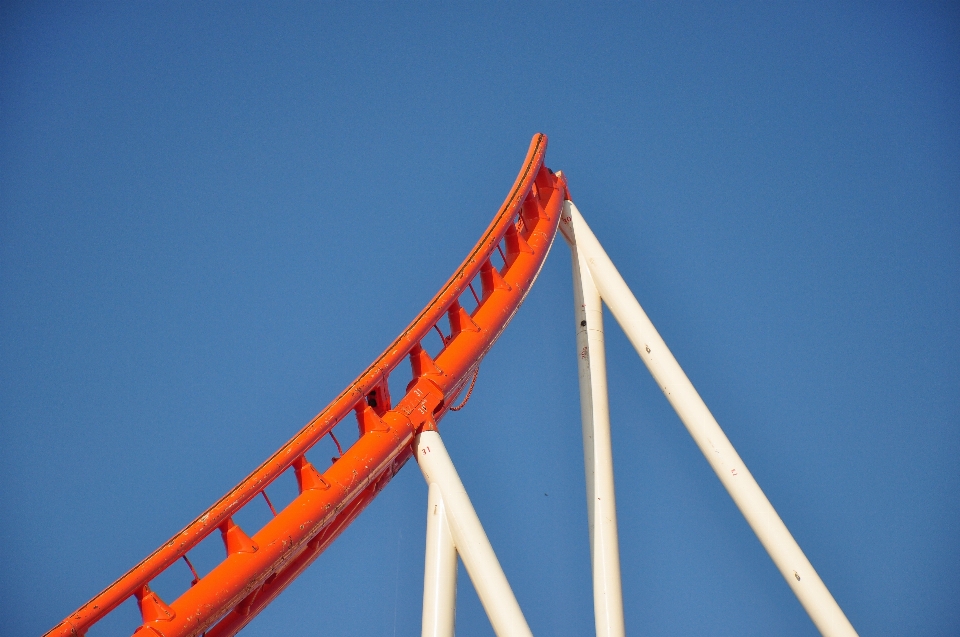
x=470, y=540
x=740, y=484
x=440, y=571
x=597, y=451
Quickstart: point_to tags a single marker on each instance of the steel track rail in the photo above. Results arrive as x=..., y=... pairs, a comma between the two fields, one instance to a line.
x=256, y=569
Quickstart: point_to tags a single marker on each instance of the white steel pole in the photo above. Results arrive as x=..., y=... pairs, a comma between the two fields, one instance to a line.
x=597, y=451
x=723, y=458
x=440, y=571
x=472, y=544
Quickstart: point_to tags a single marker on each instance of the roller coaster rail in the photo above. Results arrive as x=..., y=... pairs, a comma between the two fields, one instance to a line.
x=256, y=568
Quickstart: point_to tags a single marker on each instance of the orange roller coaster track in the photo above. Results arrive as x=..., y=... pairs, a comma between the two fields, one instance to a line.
x=258, y=567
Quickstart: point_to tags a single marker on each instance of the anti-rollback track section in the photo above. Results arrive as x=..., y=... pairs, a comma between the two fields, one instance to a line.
x=258, y=567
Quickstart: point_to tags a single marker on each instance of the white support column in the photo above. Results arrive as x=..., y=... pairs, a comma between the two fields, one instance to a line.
x=723, y=458
x=440, y=571
x=597, y=451
x=471, y=542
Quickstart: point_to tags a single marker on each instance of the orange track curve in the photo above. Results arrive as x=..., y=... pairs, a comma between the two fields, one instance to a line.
x=256, y=569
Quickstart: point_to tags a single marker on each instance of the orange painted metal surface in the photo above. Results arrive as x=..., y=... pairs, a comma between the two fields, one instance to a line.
x=256, y=569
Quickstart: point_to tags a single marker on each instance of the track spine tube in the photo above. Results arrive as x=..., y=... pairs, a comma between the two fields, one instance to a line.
x=226, y=598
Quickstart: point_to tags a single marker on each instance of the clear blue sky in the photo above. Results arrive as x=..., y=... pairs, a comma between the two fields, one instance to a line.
x=212, y=219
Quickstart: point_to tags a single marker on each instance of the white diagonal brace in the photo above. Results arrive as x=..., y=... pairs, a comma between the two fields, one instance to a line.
x=471, y=542
x=706, y=432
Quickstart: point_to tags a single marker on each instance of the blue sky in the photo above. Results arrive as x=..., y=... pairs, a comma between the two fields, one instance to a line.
x=213, y=218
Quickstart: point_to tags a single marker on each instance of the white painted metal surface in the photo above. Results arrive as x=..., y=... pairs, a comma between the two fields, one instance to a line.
x=723, y=458
x=470, y=540
x=440, y=571
x=597, y=451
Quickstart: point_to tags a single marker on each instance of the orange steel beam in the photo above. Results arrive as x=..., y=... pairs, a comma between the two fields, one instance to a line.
x=256, y=569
